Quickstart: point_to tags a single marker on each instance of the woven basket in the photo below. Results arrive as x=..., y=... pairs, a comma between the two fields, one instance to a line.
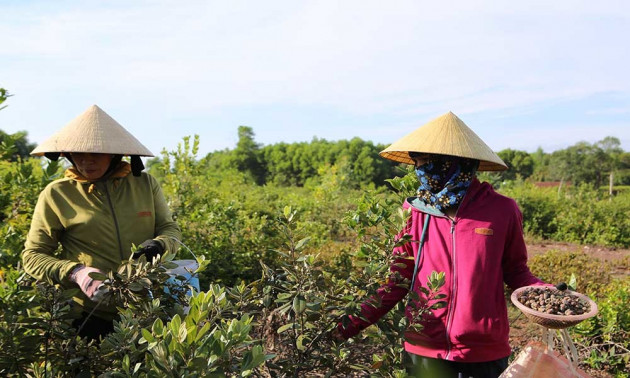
x=554, y=321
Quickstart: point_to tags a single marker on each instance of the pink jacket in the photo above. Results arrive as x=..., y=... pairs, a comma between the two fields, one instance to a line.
x=478, y=251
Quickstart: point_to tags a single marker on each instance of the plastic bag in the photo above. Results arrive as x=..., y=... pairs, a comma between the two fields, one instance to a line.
x=536, y=360
x=185, y=269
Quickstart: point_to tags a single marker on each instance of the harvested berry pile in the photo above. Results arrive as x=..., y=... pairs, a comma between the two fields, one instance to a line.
x=553, y=301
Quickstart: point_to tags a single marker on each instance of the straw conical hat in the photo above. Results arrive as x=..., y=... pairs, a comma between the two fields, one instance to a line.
x=94, y=131
x=445, y=135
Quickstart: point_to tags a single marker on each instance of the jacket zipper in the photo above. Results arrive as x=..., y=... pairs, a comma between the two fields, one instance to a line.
x=451, y=305
x=111, y=208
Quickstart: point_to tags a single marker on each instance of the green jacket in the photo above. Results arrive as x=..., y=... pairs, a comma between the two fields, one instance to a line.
x=96, y=225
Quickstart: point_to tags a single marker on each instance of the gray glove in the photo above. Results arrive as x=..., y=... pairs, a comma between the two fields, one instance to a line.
x=95, y=290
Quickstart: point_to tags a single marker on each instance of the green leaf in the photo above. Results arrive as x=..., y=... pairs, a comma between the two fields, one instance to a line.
x=300, y=342
x=286, y=327
x=69, y=293
x=126, y=364
x=202, y=332
x=158, y=327
x=175, y=323
x=299, y=304
x=284, y=295
x=183, y=332
x=572, y=284
x=300, y=244
x=137, y=367
x=169, y=265
x=438, y=305
x=136, y=286
x=147, y=336
x=97, y=276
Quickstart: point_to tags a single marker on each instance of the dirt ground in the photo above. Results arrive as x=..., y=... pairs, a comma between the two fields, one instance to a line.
x=613, y=255
x=522, y=330
x=608, y=254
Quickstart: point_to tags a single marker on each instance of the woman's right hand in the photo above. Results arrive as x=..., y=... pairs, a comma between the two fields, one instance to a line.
x=93, y=289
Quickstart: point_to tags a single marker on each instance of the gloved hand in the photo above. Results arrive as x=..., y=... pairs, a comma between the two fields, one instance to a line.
x=336, y=334
x=561, y=286
x=149, y=248
x=95, y=290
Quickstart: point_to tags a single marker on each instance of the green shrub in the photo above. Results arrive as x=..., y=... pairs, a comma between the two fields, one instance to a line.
x=154, y=337
x=605, y=339
x=321, y=258
x=590, y=219
x=20, y=184
x=579, y=215
x=539, y=207
x=558, y=266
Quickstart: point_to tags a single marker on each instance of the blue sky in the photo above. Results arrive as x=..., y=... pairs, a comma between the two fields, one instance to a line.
x=522, y=75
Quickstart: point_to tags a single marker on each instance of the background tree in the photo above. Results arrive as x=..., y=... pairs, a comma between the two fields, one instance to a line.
x=4, y=94
x=623, y=176
x=579, y=164
x=246, y=156
x=611, y=147
x=520, y=164
x=297, y=163
x=15, y=146
x=541, y=165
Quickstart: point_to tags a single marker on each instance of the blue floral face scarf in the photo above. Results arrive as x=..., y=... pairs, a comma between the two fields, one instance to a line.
x=444, y=180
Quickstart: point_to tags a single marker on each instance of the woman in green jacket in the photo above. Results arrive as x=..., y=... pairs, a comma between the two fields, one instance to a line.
x=96, y=212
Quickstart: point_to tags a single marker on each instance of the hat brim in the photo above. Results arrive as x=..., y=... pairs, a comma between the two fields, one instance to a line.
x=94, y=131
x=445, y=135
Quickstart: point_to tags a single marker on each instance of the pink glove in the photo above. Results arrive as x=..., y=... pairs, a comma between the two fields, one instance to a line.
x=93, y=289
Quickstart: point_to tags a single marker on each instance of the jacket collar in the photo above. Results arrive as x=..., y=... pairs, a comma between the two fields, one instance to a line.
x=122, y=170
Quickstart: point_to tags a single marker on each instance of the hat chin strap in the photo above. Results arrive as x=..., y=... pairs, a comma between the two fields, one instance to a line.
x=54, y=156
x=136, y=165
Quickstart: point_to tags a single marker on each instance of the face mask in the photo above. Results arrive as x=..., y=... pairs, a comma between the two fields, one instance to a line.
x=444, y=180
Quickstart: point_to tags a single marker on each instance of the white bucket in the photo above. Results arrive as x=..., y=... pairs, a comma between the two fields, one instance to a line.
x=186, y=269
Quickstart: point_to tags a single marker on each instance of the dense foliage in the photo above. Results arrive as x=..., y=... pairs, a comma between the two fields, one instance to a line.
x=281, y=266
x=295, y=164
x=13, y=146
x=579, y=215
x=603, y=163
x=604, y=340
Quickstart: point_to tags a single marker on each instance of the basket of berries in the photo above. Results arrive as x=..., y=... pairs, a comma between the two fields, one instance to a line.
x=553, y=308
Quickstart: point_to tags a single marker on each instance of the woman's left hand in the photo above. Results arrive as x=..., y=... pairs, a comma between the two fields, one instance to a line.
x=149, y=248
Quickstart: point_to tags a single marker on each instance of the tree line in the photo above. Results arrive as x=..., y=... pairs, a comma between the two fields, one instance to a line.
x=603, y=163
x=598, y=164
x=357, y=163
x=294, y=164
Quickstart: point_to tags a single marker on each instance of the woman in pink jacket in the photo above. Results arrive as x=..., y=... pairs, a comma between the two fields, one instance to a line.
x=474, y=235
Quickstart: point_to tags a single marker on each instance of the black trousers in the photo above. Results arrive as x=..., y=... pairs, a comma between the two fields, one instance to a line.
x=94, y=327
x=425, y=367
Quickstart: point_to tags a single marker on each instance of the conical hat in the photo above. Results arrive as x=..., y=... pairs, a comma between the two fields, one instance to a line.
x=94, y=131
x=445, y=135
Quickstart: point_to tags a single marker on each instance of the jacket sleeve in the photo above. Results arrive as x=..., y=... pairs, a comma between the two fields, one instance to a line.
x=41, y=243
x=166, y=229
x=516, y=273
x=388, y=295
